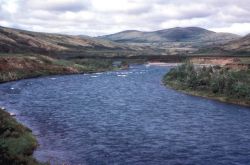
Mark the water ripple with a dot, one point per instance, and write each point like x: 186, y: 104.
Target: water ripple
x: 107, y: 119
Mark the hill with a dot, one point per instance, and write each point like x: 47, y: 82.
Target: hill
x: 174, y: 41
x: 240, y: 45
x: 21, y: 41
x: 192, y: 35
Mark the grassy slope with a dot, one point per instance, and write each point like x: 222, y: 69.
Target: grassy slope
x: 21, y: 41
x: 16, y: 142
x: 221, y: 85
x: 239, y: 47
x: 16, y: 67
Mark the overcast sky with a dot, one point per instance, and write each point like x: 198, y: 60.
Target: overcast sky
x: 98, y: 17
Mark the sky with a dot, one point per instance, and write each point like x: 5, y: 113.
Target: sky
x: 100, y: 17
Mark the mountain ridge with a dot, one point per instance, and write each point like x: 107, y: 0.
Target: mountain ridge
x: 173, y: 41
x: 177, y: 34
x: 18, y: 41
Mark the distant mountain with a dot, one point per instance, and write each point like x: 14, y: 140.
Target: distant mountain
x: 174, y: 41
x: 18, y: 41
x: 193, y: 35
x: 239, y: 45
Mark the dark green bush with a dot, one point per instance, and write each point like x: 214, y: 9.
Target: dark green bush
x: 217, y: 80
x: 16, y: 142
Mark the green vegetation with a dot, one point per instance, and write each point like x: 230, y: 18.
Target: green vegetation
x: 214, y: 82
x: 245, y: 60
x: 16, y: 142
x: 94, y: 65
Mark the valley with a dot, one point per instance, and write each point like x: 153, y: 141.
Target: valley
x: 124, y: 82
x: 26, y: 54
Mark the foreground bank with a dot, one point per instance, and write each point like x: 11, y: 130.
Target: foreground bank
x: 16, y: 142
x: 223, y: 84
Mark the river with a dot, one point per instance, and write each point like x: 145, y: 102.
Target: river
x: 127, y: 118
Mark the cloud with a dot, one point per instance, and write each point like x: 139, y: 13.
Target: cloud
x: 98, y: 17
x: 237, y: 28
x: 120, y: 6
x: 57, y: 5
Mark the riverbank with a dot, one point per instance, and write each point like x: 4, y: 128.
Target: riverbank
x: 163, y: 64
x: 213, y: 82
x: 16, y: 67
x: 17, y: 143
x: 208, y: 95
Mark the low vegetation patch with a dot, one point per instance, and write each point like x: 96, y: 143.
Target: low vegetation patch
x: 16, y: 142
x: 215, y: 82
x: 94, y: 65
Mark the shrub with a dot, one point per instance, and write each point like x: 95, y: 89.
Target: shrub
x: 217, y: 80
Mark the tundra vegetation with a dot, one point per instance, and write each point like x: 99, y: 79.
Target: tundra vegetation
x: 16, y: 67
x: 224, y: 84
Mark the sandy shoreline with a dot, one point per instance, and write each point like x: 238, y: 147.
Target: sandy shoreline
x: 175, y: 64
x: 162, y: 64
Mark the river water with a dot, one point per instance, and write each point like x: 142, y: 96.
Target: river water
x: 127, y: 118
